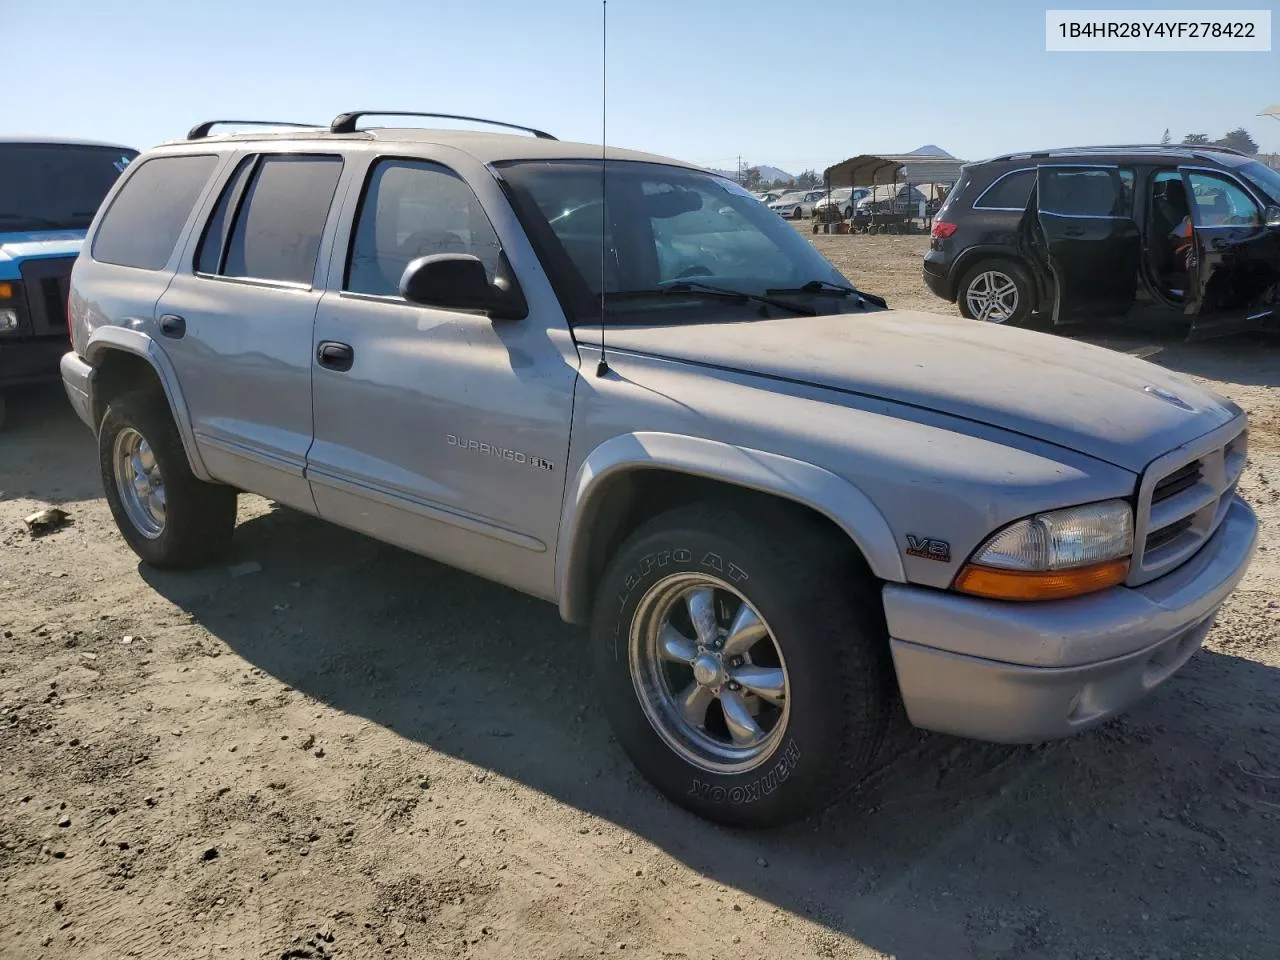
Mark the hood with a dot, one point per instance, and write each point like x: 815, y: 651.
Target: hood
x: 30, y: 244
x: 1089, y: 399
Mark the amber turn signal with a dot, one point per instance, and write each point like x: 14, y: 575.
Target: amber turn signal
x: 1041, y: 584
x: 6, y: 291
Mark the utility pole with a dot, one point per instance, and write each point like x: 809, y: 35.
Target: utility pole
x: 739, y: 169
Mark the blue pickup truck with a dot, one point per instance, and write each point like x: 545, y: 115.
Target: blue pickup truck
x: 50, y: 190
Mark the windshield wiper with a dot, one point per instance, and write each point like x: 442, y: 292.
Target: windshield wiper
x: 684, y: 288
x: 831, y: 289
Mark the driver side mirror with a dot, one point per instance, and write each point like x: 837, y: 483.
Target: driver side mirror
x: 458, y: 281
x: 1272, y: 216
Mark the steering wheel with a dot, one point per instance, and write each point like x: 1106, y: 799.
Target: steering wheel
x: 694, y: 270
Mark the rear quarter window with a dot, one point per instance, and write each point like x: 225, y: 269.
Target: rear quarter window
x: 1010, y: 192
x: 145, y: 219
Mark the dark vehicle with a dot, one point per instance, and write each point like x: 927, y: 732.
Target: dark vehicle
x: 49, y: 193
x: 1095, y: 232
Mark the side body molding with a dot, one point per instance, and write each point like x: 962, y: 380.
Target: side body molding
x: 107, y: 338
x: 838, y: 499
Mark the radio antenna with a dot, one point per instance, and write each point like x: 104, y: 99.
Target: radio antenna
x: 602, y: 367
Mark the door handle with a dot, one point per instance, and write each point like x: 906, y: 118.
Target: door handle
x: 335, y: 355
x: 173, y: 326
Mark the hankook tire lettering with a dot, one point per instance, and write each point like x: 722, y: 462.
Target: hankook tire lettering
x: 756, y: 789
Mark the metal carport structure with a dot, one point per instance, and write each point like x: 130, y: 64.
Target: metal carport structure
x: 878, y: 170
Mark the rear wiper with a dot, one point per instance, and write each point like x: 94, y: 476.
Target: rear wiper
x: 831, y: 289
x: 697, y: 288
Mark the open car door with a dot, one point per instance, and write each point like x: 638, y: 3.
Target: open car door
x: 1235, y: 261
x: 1088, y: 240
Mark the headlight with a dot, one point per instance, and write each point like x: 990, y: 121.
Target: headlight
x: 8, y: 319
x: 1064, y: 553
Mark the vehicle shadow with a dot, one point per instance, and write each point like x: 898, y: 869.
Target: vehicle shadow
x: 957, y: 849
x: 46, y: 453
x: 1249, y: 359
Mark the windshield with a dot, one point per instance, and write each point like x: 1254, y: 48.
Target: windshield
x: 1263, y: 177
x: 51, y: 186
x: 662, y: 225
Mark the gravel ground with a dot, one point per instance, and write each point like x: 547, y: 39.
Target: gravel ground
x: 329, y: 747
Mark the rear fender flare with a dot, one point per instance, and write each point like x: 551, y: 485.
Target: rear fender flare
x: 106, y: 339
x: 812, y: 486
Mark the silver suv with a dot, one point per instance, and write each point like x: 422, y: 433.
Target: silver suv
x: 632, y: 390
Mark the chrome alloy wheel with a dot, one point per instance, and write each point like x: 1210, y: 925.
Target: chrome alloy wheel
x: 992, y: 296
x: 139, y: 483
x: 709, y: 674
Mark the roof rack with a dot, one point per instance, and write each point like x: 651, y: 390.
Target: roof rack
x: 201, y: 130
x: 346, y: 122
x: 1172, y: 147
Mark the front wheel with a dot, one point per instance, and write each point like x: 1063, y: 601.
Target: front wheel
x: 747, y: 680
x: 996, y: 291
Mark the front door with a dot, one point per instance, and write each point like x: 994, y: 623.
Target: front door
x: 1088, y: 237
x: 443, y: 431
x: 1235, y: 262
x: 237, y: 321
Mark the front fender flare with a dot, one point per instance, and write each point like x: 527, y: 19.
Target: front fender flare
x: 815, y: 487
x: 106, y: 339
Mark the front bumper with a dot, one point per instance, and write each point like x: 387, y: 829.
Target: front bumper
x: 1025, y: 672
x: 30, y: 360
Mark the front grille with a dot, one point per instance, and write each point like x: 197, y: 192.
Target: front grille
x: 1183, y: 498
x: 1181, y: 479
x: 47, y: 282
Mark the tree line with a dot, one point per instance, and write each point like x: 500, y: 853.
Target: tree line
x: 1237, y: 139
x: 752, y: 180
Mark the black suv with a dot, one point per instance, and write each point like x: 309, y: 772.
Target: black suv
x: 1090, y: 232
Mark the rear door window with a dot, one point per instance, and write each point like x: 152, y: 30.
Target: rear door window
x: 1086, y: 191
x: 146, y: 217
x: 280, y: 223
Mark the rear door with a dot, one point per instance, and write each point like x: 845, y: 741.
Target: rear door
x: 1093, y: 249
x: 1235, y: 265
x: 237, y: 321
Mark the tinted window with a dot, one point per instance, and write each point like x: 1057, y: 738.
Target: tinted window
x: 1221, y: 203
x: 413, y: 209
x: 147, y: 215
x: 44, y: 186
x: 208, y: 258
x: 1084, y: 192
x: 1010, y: 192
x: 281, y: 220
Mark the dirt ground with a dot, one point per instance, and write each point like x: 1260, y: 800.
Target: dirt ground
x: 329, y: 747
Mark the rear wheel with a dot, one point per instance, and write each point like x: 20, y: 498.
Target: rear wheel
x: 996, y: 291
x: 166, y: 515
x: 747, y: 681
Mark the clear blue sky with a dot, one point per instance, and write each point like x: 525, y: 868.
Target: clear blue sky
x: 795, y: 84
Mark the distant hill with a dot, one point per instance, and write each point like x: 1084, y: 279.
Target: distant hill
x: 767, y: 173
